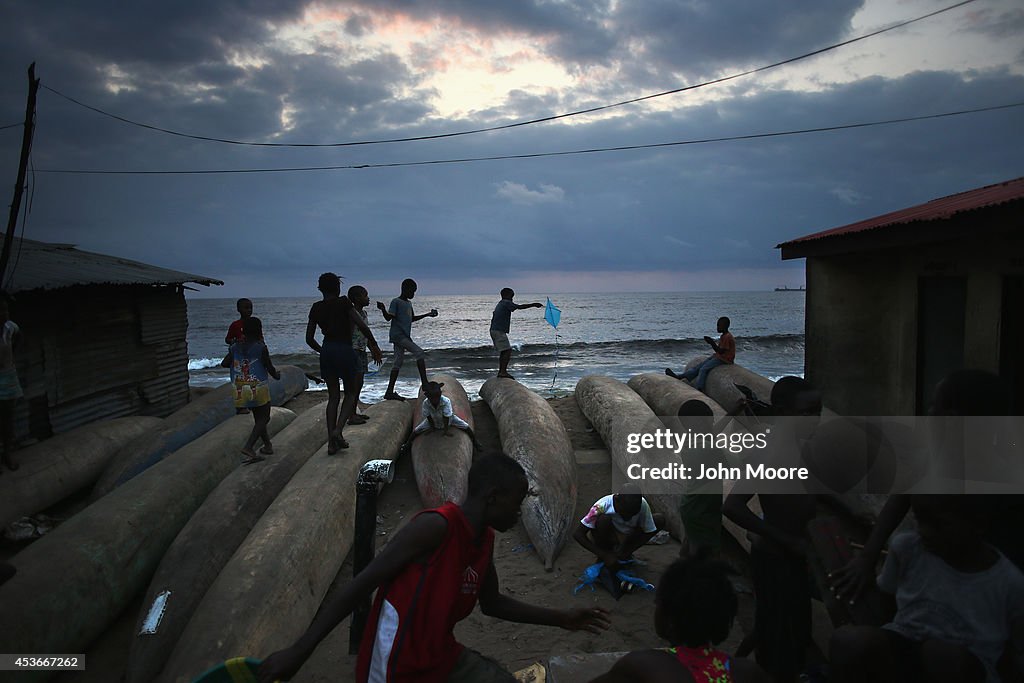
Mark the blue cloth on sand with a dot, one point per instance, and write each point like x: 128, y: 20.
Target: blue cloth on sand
x: 590, y: 574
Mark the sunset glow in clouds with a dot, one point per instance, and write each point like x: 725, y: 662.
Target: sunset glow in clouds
x: 676, y: 217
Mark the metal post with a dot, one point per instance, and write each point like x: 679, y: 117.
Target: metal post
x: 19, y: 184
x: 372, y: 474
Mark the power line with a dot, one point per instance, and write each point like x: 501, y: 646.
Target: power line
x: 517, y: 124
x: 536, y: 155
x: 12, y: 125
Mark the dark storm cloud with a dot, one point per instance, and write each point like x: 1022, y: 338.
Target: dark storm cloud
x: 999, y: 22
x: 168, y: 33
x: 329, y: 103
x: 699, y: 207
x: 655, y: 38
x: 701, y: 38
x: 540, y: 18
x: 706, y: 206
x: 176, y: 70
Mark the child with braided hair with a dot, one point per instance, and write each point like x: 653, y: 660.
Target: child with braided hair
x: 694, y: 609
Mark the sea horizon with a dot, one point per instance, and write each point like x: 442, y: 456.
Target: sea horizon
x: 616, y: 334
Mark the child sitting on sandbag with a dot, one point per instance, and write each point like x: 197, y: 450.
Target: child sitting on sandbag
x: 439, y: 415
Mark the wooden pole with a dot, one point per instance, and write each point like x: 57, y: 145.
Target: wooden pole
x: 19, y: 186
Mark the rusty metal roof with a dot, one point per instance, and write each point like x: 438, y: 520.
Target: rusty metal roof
x: 936, y: 209
x: 44, y: 266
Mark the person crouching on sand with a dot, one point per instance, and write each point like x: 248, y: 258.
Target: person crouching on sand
x: 694, y: 609
x: 251, y: 369
x: 432, y: 574
x: 617, y: 525
x: 501, y: 323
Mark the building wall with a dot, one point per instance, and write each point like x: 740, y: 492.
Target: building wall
x: 862, y: 318
x: 98, y: 352
x: 852, y: 319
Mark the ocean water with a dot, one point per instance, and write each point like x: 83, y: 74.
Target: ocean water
x: 619, y: 335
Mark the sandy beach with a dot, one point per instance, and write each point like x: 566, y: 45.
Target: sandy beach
x: 520, y: 571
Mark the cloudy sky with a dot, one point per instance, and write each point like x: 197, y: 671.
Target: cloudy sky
x: 685, y: 217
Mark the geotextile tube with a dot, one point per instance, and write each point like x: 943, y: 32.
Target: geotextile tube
x: 442, y: 463
x: 665, y: 394
x: 74, y: 581
x: 534, y: 435
x: 616, y: 411
x: 722, y: 381
x: 661, y: 392
x: 60, y: 466
x: 187, y: 423
x: 210, y: 538
x: 267, y: 594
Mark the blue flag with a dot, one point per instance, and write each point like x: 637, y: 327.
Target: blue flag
x: 552, y: 314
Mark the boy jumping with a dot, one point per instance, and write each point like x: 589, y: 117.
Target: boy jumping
x: 401, y: 317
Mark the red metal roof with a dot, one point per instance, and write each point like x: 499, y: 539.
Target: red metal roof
x: 936, y: 209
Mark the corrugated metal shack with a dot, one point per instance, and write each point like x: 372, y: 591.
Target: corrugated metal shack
x: 897, y: 301
x: 102, y: 336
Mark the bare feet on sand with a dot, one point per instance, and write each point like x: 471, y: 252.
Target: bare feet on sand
x: 392, y: 396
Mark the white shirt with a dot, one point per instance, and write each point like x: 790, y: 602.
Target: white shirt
x: 438, y: 413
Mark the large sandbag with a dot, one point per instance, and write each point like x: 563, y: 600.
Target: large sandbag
x: 442, y: 463
x: 211, y: 537
x: 661, y: 393
x: 185, y: 424
x: 58, y: 467
x: 269, y: 591
x: 722, y: 381
x: 74, y: 581
x: 534, y: 435
x: 616, y: 411
x: 665, y: 394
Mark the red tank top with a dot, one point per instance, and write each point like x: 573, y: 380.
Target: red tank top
x: 409, y: 634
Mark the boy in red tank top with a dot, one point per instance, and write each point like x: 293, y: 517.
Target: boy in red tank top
x: 430, y: 577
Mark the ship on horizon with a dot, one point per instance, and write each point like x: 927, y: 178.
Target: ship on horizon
x: 801, y: 288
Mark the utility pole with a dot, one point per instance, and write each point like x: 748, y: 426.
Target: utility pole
x: 26, y: 147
